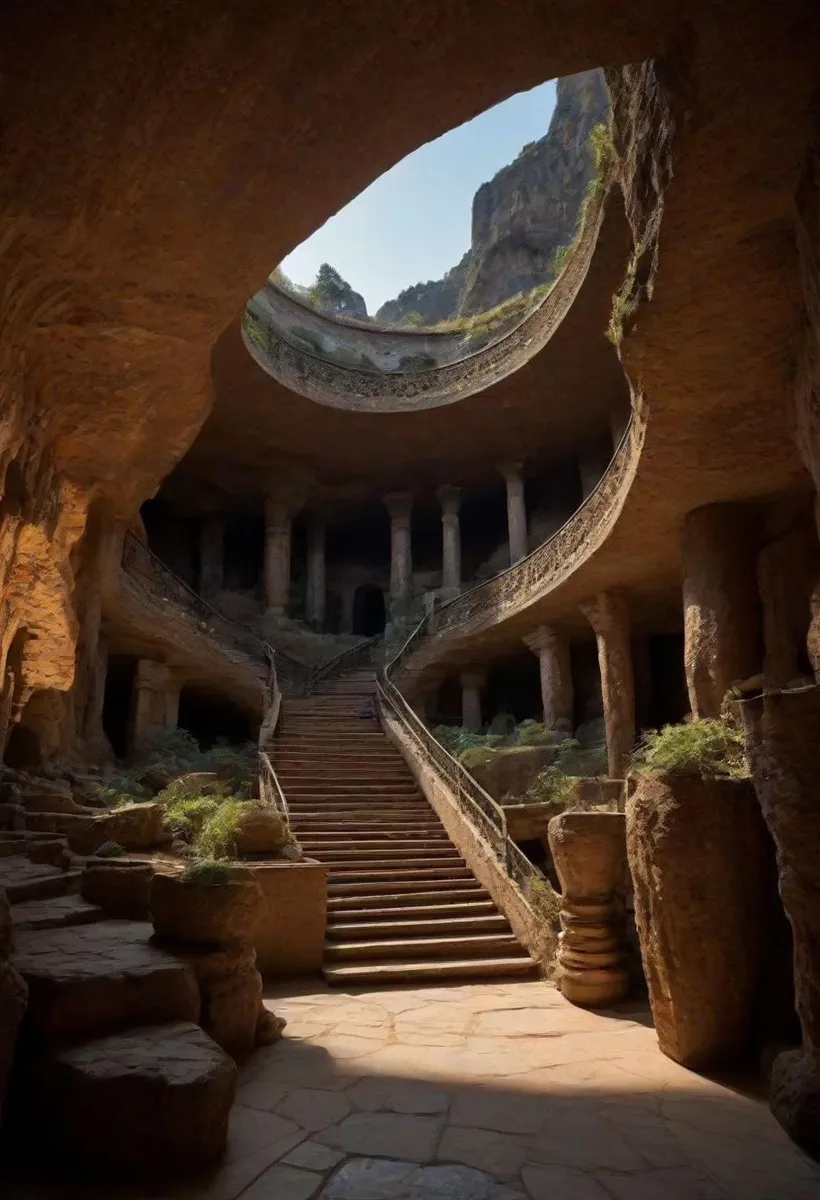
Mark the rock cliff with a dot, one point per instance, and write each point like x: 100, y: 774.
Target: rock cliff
x: 522, y: 216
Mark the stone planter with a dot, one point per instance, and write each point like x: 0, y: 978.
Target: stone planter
x: 290, y: 934
x: 205, y: 914
x: 783, y: 745
x: 697, y: 854
x: 589, y: 853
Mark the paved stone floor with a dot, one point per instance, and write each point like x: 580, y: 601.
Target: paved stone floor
x: 481, y: 1092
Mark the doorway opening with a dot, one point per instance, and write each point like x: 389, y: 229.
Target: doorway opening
x: 211, y: 718
x: 119, y: 690
x: 368, y: 610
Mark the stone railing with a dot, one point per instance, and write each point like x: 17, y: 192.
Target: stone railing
x: 357, y: 388
x: 525, y: 582
x: 353, y: 657
x: 270, y: 789
x: 163, y: 587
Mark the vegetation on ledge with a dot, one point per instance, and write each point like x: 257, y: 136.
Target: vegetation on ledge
x: 708, y: 747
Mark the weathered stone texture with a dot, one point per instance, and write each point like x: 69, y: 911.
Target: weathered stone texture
x: 204, y: 913
x: 290, y: 933
x: 782, y: 743
x: 722, y: 625
x: 696, y: 850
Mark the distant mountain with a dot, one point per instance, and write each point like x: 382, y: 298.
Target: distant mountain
x: 521, y: 217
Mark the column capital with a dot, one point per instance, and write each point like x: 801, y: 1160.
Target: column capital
x: 606, y: 611
x: 450, y: 500
x: 473, y: 677
x: 511, y: 471
x: 545, y: 637
x: 399, y: 505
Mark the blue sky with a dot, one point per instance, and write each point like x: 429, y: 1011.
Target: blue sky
x: 413, y: 222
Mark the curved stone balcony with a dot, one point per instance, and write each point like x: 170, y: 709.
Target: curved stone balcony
x: 320, y: 362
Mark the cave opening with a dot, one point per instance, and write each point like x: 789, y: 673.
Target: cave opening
x: 211, y: 718
x: 369, y: 616
x: 23, y: 749
x: 13, y: 498
x: 244, y: 551
x: 117, y: 698
x: 668, y: 696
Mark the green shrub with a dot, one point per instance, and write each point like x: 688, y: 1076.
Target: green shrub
x: 602, y: 148
x: 582, y: 762
x: 208, y: 873
x: 475, y: 756
x: 217, y: 836
x: 710, y: 746
x: 109, y: 850
x: 550, y: 786
x: 532, y: 733
x: 117, y: 791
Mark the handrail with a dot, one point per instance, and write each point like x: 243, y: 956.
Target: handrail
x: 270, y: 789
x: 345, y: 661
x: 555, y: 559
x: 140, y: 561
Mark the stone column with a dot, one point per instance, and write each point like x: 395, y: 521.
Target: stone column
x: 608, y: 614
x: 516, y: 511
x: 552, y: 649
x: 93, y: 733
x: 399, y: 505
x: 211, y: 554
x: 472, y: 683
x: 721, y: 610
x: 589, y: 853
x: 450, y: 501
x: 316, y: 573
x: 154, y: 703
x: 593, y: 460
x: 278, y: 520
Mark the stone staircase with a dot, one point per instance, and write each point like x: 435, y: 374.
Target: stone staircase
x: 402, y: 904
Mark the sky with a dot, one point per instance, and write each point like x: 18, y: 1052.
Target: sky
x: 413, y: 223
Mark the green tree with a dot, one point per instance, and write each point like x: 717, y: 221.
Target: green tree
x: 413, y: 320
x: 329, y: 289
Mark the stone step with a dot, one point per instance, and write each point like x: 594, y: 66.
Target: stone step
x: 376, y: 909
x: 408, y: 891
x: 56, y: 912
x: 367, y: 858
x: 342, y: 839
x: 472, y: 945
x: 359, y: 930
x: 365, y: 895
x: 87, y: 980
x: 390, y: 873
x: 24, y: 880
x: 334, y: 777
x: 173, y: 1082
x: 324, y: 825
x: 350, y: 975
x: 340, y: 790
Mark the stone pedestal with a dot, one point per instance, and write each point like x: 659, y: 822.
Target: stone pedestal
x: 290, y: 934
x: 608, y: 614
x: 552, y: 648
x: 783, y: 744
x: 450, y: 500
x: 472, y: 683
x: 316, y: 577
x: 720, y: 603
x: 589, y: 853
x: 399, y: 506
x: 211, y: 555
x: 697, y: 855
x: 154, y: 704
x: 516, y: 511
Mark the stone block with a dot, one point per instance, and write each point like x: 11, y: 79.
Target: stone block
x: 697, y: 855
x: 121, y: 891
x: 290, y: 934
x: 205, y: 913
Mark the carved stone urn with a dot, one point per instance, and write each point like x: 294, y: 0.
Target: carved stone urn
x: 783, y: 746
x: 589, y: 853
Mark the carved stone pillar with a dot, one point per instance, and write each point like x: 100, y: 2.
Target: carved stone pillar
x: 516, y: 511
x: 450, y: 501
x: 608, y: 614
x: 316, y: 573
x: 552, y: 649
x: 154, y: 703
x: 472, y: 683
x: 278, y: 520
x: 211, y: 554
x: 399, y: 505
x: 721, y: 611
x: 589, y: 853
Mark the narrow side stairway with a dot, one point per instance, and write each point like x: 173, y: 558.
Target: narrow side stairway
x: 403, y: 905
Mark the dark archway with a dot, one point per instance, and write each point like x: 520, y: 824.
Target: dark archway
x: 210, y: 718
x: 119, y: 690
x: 14, y: 494
x: 368, y: 610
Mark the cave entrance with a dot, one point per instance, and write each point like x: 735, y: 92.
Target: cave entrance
x: 117, y: 698
x: 23, y: 749
x: 668, y: 697
x: 210, y: 718
x: 368, y: 610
